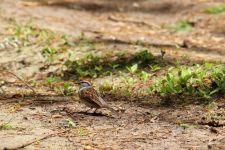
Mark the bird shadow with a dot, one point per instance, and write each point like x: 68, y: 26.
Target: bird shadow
x: 90, y: 114
x: 72, y: 114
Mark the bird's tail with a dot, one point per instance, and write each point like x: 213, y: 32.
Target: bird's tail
x: 112, y: 110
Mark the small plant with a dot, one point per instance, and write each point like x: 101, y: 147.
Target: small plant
x: 49, y: 52
x: 107, y: 87
x: 89, y: 57
x: 23, y: 31
x: 71, y: 124
x: 28, y: 35
x: 51, y: 80
x: 200, y: 80
x: 66, y: 40
x: 180, y: 26
x: 114, y: 66
x: 67, y: 89
x: 6, y: 126
x: 186, y: 126
x: 143, y: 57
x: 120, y: 54
x: 215, y: 9
x: 155, y: 67
x: 129, y: 81
x: 93, y: 65
x: 87, y: 66
x: 132, y: 69
x: 34, y: 82
x: 144, y: 76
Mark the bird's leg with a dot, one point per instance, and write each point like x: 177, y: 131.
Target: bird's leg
x: 88, y: 110
x: 95, y: 110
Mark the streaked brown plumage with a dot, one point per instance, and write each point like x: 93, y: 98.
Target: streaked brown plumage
x: 91, y: 98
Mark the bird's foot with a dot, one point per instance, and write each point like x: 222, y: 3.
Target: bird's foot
x: 87, y: 111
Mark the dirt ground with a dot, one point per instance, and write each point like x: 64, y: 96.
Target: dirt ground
x: 116, y: 24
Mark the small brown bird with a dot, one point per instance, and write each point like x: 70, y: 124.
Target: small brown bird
x: 91, y: 98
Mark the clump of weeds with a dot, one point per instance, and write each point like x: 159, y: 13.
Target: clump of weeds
x: 200, y: 80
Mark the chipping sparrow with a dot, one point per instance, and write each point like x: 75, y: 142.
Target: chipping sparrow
x: 91, y: 98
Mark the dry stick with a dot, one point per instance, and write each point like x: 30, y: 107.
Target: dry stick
x: 22, y: 81
x: 138, y: 42
x: 33, y: 141
x: 133, y: 21
x: 51, y: 98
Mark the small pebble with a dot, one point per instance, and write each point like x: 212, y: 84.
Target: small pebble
x: 87, y: 148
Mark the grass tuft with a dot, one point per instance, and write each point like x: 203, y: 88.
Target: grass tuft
x: 180, y: 26
x: 93, y: 65
x: 6, y: 126
x: 215, y: 9
x: 201, y: 80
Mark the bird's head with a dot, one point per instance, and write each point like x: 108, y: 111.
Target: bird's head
x: 83, y: 83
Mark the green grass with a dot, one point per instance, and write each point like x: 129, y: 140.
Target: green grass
x: 180, y: 26
x: 56, y: 84
x: 29, y: 36
x: 144, y: 76
x: 132, y: 69
x: 107, y: 86
x: 50, y: 81
x: 66, y: 89
x: 155, y: 67
x: 49, y: 52
x: 124, y: 88
x: 139, y: 68
x: 95, y: 65
x: 76, y: 129
x: 200, y: 80
x: 186, y: 126
x: 70, y: 124
x: 6, y: 126
x: 215, y: 9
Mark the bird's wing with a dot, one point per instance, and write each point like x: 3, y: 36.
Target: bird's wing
x: 91, y: 95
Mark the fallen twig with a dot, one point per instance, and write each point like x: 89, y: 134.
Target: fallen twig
x: 37, y: 99
x: 112, y: 18
x: 140, y: 42
x: 21, y: 81
x: 35, y: 140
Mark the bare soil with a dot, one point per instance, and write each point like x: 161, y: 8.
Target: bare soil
x: 116, y: 24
